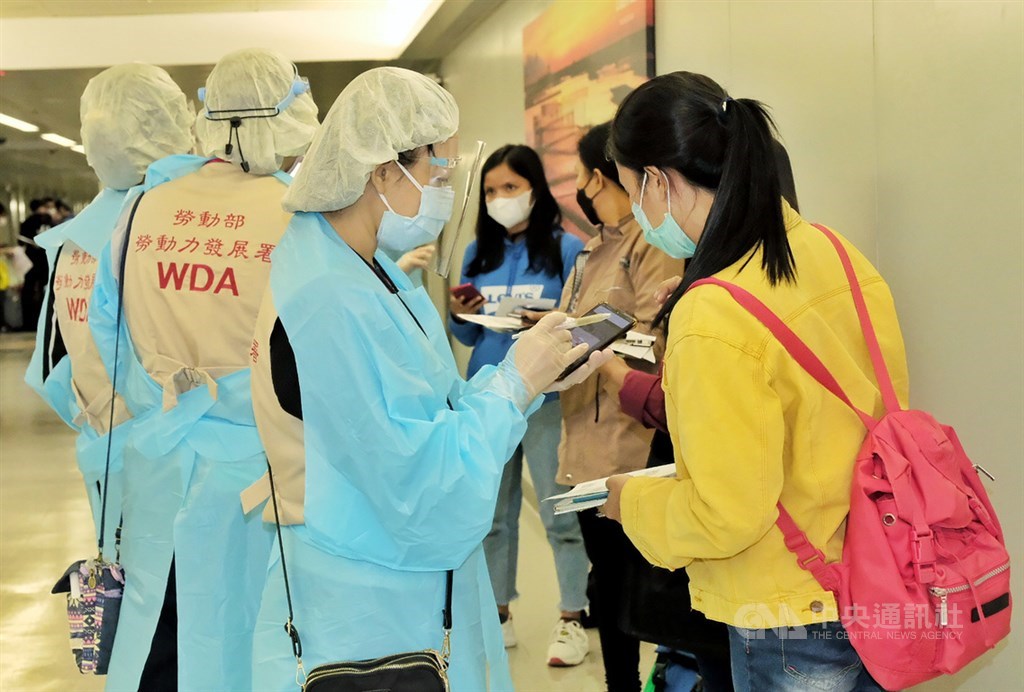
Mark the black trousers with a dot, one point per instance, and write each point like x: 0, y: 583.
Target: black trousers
x: 161, y: 671
x: 609, y: 551
x: 32, y: 294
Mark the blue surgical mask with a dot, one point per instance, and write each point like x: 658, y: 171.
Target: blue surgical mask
x: 668, y: 236
x: 399, y: 234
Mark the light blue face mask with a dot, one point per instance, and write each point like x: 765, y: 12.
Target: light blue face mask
x: 399, y: 234
x: 668, y: 236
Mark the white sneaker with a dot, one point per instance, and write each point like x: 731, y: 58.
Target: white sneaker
x: 508, y: 633
x: 569, y: 644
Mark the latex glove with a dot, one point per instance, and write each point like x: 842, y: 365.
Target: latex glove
x: 594, y: 363
x: 416, y: 259
x: 534, y: 316
x: 543, y: 352
x: 540, y: 355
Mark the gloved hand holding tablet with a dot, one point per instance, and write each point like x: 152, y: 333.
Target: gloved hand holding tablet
x: 599, y: 328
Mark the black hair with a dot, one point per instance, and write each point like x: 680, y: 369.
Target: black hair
x: 786, y: 183
x: 543, y: 244
x: 408, y: 158
x: 687, y: 122
x: 36, y: 204
x: 62, y: 206
x: 593, y: 152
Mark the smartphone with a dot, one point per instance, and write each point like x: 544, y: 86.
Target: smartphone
x: 599, y: 335
x: 467, y: 293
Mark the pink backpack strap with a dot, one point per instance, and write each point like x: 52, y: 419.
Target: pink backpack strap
x: 889, y: 398
x: 807, y: 556
x: 801, y: 353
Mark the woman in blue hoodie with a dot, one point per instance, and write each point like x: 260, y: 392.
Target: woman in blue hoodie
x: 521, y: 251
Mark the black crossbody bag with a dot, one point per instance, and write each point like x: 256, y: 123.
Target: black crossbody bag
x: 411, y: 671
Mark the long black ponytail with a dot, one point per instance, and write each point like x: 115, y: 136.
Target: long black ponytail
x: 687, y: 122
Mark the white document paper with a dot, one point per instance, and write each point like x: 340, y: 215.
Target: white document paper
x: 510, y: 306
x: 495, y: 323
x: 594, y: 493
x: 634, y: 338
x: 624, y: 348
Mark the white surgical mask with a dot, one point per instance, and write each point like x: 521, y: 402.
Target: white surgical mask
x: 400, y: 234
x: 511, y: 211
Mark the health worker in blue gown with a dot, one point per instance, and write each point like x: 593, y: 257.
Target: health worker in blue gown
x: 386, y: 463
x: 132, y: 115
x: 192, y: 256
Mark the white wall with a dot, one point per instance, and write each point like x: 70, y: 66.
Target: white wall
x: 485, y: 74
x: 949, y: 89
x: 810, y: 62
x: 905, y: 125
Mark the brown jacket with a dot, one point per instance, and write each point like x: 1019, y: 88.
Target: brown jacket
x: 616, y: 267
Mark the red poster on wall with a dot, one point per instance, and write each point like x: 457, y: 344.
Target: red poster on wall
x: 580, y: 61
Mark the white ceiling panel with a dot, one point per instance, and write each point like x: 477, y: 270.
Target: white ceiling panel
x: 350, y: 30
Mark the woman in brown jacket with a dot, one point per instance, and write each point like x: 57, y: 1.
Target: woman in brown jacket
x: 618, y: 267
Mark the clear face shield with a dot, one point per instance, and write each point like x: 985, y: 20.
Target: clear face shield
x: 447, y: 168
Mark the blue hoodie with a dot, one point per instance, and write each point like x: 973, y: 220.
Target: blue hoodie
x: 513, y: 278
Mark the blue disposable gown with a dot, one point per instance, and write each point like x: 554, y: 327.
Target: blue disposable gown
x: 90, y: 230
x: 398, y: 486
x: 183, y: 471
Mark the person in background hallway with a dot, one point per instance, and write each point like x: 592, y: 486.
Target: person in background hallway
x: 701, y: 165
x: 132, y: 115
x: 62, y: 212
x: 521, y: 251
x: 386, y: 469
x: 197, y: 239
x: 34, y: 288
x: 7, y: 280
x: 617, y: 267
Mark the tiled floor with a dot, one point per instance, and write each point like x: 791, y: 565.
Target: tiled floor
x: 44, y: 526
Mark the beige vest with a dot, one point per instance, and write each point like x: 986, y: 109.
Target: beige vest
x: 73, y: 280
x: 281, y: 433
x: 197, y: 266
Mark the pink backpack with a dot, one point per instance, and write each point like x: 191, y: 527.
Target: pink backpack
x: 924, y: 584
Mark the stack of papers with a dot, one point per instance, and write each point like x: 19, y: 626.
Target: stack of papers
x: 594, y: 493
x: 513, y: 306
x: 624, y: 348
x: 495, y: 323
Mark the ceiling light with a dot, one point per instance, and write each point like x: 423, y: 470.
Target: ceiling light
x: 17, y: 124
x: 328, y: 31
x: 57, y: 139
x: 78, y: 149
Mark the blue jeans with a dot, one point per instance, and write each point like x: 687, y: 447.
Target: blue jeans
x: 540, y: 447
x: 793, y: 659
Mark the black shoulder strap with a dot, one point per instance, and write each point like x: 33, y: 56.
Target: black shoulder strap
x: 53, y: 343
x: 113, y: 378
x: 289, y: 627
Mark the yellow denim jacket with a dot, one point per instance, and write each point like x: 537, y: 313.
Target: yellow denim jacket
x: 751, y: 427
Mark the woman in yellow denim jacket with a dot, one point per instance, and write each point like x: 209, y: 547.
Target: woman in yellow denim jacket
x: 750, y: 427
